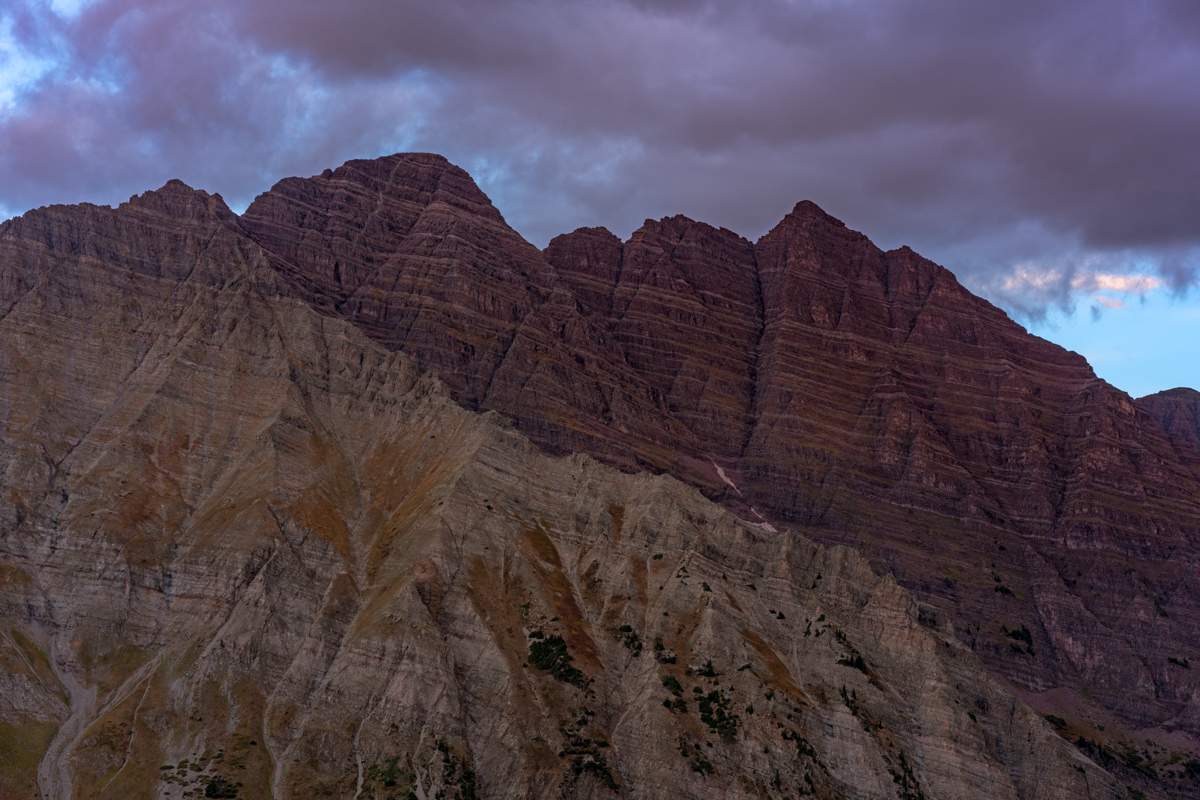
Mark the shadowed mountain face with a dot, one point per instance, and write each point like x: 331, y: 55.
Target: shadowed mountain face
x: 238, y: 527
x: 1178, y: 412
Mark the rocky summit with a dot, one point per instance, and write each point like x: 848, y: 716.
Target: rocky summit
x: 361, y: 495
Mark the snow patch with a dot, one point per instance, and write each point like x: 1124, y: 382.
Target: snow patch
x: 721, y: 474
x: 762, y: 523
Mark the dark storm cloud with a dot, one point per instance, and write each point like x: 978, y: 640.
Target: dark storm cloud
x: 138, y: 95
x: 1027, y: 145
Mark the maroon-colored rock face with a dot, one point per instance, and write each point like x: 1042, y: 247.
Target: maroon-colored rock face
x: 681, y: 305
x: 1178, y: 412
x: 809, y: 380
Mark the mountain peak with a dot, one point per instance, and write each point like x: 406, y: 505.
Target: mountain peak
x: 176, y: 198
x: 361, y: 216
x: 807, y: 209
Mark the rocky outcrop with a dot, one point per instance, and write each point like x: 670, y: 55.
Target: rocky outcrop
x: 247, y: 549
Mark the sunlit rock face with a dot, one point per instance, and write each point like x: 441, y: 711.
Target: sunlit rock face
x: 258, y: 526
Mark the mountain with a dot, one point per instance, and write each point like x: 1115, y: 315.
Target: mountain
x: 807, y: 380
x: 360, y: 493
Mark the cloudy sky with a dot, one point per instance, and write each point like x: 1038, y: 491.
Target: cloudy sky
x: 1047, y: 151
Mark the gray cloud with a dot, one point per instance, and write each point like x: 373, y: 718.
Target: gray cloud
x: 999, y: 139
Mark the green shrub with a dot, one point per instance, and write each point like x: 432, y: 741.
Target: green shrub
x: 550, y: 655
x: 220, y: 787
x: 1022, y: 634
x: 855, y: 661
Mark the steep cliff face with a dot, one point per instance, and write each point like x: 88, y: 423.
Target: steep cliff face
x: 244, y: 546
x: 809, y: 379
x: 1178, y: 412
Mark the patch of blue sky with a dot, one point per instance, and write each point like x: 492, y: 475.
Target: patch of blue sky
x: 69, y: 9
x: 20, y: 68
x: 1142, y: 345
x: 305, y: 98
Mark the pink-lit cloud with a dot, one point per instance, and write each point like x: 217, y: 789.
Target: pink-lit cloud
x: 1135, y: 284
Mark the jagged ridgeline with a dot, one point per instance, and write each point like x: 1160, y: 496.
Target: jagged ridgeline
x: 361, y: 495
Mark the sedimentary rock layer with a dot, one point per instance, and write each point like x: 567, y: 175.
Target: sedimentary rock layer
x: 1178, y: 412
